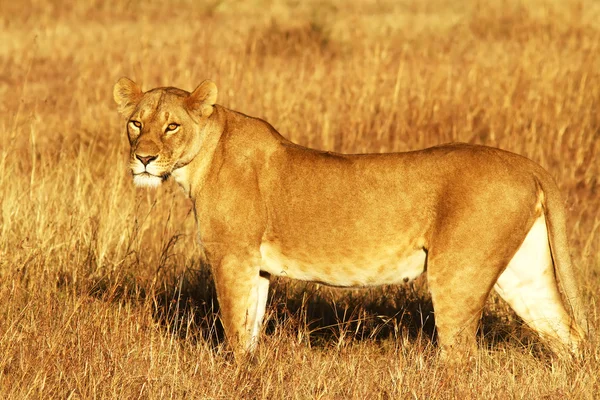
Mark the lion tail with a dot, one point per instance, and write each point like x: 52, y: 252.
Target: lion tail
x: 554, y: 212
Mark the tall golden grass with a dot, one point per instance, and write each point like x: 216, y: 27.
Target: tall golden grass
x: 102, y: 291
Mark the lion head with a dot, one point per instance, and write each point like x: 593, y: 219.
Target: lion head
x: 164, y: 127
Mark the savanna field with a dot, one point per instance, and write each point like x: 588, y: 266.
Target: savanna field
x: 103, y: 292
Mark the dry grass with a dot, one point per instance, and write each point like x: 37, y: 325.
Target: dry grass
x: 101, y: 289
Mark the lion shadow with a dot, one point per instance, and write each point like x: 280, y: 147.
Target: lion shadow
x: 187, y: 306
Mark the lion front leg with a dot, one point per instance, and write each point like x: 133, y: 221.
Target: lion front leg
x: 242, y: 295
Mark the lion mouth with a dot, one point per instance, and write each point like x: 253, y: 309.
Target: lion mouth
x: 164, y: 176
x: 146, y: 179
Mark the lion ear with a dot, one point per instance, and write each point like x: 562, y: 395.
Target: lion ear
x: 203, y: 98
x: 127, y: 95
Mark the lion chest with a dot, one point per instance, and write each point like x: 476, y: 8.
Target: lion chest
x: 378, y: 266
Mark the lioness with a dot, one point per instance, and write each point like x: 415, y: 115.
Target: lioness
x: 473, y: 217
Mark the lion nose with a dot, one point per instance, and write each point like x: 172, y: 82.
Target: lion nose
x: 146, y: 159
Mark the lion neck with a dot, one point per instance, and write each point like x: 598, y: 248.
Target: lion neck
x: 192, y: 176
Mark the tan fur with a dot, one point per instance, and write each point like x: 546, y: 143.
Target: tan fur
x: 266, y: 206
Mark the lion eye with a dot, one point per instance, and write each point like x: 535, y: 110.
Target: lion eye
x: 172, y: 127
x: 136, y: 124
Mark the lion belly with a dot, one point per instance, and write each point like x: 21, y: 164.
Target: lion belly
x: 367, y: 269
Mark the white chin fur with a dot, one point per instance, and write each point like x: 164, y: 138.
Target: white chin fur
x: 147, y: 180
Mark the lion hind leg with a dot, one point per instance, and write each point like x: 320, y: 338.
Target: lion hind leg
x: 458, y: 296
x: 461, y: 277
x: 529, y: 286
x: 457, y: 314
